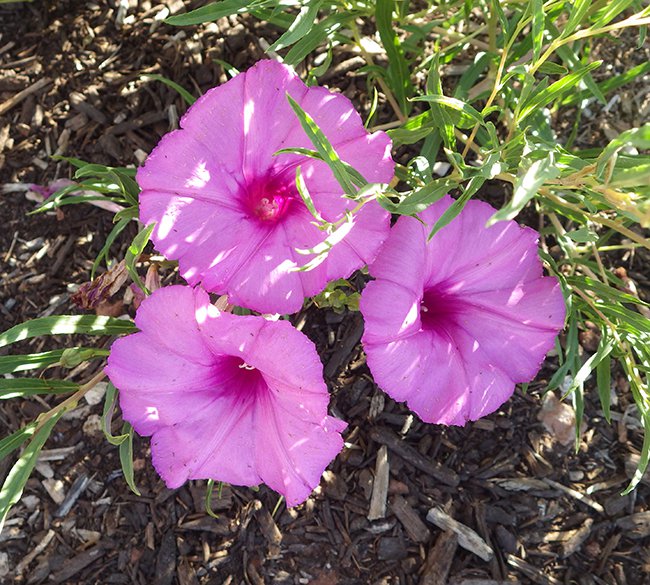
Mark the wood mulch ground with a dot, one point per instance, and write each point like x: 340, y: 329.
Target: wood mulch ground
x: 504, y: 500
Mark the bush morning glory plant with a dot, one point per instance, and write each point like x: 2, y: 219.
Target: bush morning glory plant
x: 273, y: 192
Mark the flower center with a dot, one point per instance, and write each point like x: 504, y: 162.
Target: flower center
x: 269, y: 199
x: 439, y: 309
x: 241, y: 379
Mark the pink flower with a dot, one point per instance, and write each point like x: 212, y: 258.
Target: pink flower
x: 453, y: 324
x: 229, y: 211
x: 236, y: 399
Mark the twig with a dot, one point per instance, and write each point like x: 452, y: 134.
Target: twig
x: 575, y: 494
x: 71, y: 400
x: 21, y: 95
x: 467, y: 538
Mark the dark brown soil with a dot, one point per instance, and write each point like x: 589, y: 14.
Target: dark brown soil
x: 550, y: 514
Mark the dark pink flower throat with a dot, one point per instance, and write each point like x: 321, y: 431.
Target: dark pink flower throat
x: 439, y: 309
x: 269, y: 199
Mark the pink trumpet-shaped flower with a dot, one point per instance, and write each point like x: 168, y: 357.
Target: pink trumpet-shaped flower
x: 452, y: 324
x: 228, y: 209
x: 231, y: 398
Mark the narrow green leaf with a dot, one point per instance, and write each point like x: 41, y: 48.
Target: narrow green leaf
x: 321, y: 69
x: 10, y: 364
x: 323, y: 146
x: 579, y: 9
x: 19, y: 387
x: 454, y: 104
x: 133, y: 253
x: 550, y: 68
x: 471, y: 76
x: 110, y: 400
x: 186, y: 95
x: 555, y: 90
x: 474, y: 184
x: 210, y: 12
x: 118, y: 228
x: 604, y: 349
x: 320, y: 33
x: 12, y: 489
x: 644, y: 458
x: 208, y: 497
x: 637, y: 137
x: 300, y: 27
x: 128, y: 186
x: 610, y: 84
x: 537, y: 9
x: 303, y: 191
x: 526, y: 187
x: 419, y: 199
x: 571, y: 59
x: 583, y: 235
x: 16, y: 439
x: 398, y: 68
x: 440, y: 116
x: 32, y: 361
x: 630, y: 177
x: 578, y: 398
x: 611, y: 10
x: 126, y: 458
x: 604, y: 381
x: 67, y: 325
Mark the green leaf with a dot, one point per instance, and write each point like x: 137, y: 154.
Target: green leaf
x: 319, y: 34
x: 579, y: 9
x: 73, y: 356
x: 474, y: 184
x: 398, y: 68
x: 300, y: 27
x: 537, y: 10
x: 10, y: 364
x: 605, y: 347
x: 470, y: 77
x: 419, y: 199
x: 210, y: 12
x: 67, y: 325
x: 610, y: 84
x: 603, y: 381
x: 110, y: 401
x: 324, y: 147
x: 440, y: 116
x: 472, y: 116
x: 526, y: 187
x: 208, y: 497
x: 550, y: 68
x: 126, y: 458
x: 32, y: 361
x: 19, y: 387
x: 321, y: 69
x: 186, y: 95
x: 133, y: 253
x: 644, y: 458
x: 611, y: 10
x: 583, y: 235
x: 118, y: 228
x: 16, y: 439
x: 128, y: 186
x: 542, y: 98
x: 637, y: 137
x: 572, y: 61
x: 630, y: 177
x: 12, y: 489
x: 303, y: 191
